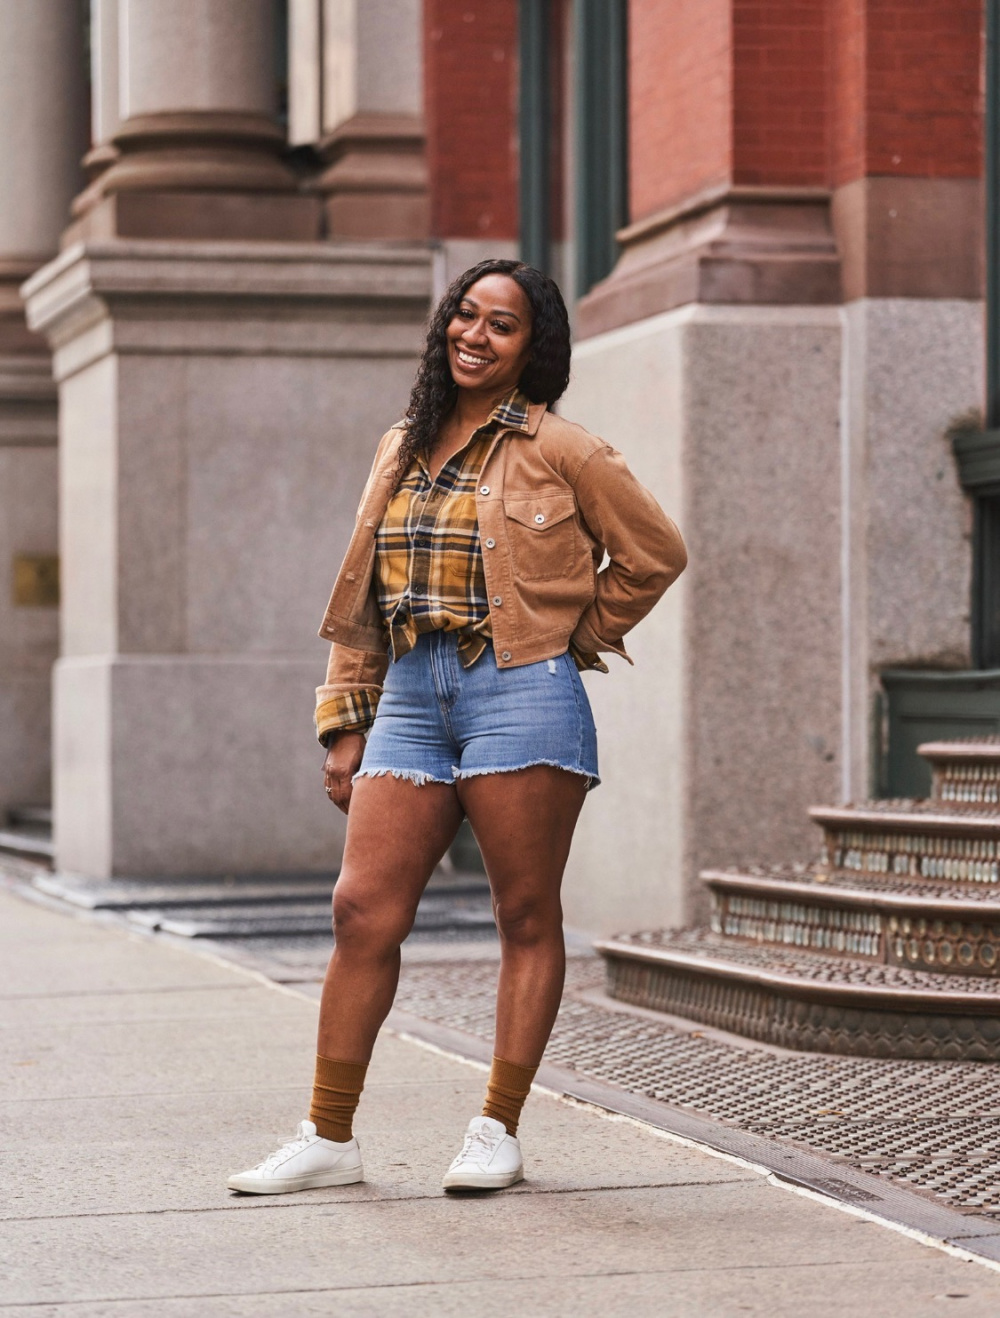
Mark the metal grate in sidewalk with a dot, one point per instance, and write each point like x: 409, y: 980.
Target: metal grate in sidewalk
x: 934, y: 1126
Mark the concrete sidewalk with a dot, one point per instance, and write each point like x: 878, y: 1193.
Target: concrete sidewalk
x: 136, y: 1075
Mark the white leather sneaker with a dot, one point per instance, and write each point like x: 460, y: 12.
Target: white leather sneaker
x: 306, y: 1162
x: 490, y: 1158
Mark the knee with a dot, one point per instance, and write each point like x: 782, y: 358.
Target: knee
x: 527, y: 922
x: 366, y: 925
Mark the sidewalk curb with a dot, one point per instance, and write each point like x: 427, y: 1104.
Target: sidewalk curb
x: 839, y: 1186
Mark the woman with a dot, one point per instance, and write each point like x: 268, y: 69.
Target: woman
x: 474, y: 568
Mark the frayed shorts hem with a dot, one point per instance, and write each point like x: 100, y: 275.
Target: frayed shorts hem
x: 415, y: 776
x: 420, y: 779
x: 592, y: 779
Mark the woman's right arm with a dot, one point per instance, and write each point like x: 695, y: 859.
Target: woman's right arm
x: 345, y: 710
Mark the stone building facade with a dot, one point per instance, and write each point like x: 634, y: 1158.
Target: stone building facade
x: 768, y: 220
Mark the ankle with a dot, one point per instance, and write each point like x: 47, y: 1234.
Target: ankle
x: 506, y: 1090
x: 336, y: 1093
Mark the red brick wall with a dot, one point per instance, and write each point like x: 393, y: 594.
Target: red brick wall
x: 470, y: 101
x: 779, y: 91
x: 680, y: 96
x: 924, y: 88
x: 814, y: 92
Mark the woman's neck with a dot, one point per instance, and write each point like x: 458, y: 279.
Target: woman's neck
x: 473, y: 409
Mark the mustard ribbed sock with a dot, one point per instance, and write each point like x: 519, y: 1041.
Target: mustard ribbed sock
x: 506, y: 1090
x: 336, y: 1092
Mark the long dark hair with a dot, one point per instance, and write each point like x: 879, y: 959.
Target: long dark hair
x: 543, y: 380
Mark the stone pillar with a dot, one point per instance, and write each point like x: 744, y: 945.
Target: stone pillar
x: 42, y: 123
x: 189, y: 109
x: 220, y: 404
x: 357, y: 95
x: 783, y: 162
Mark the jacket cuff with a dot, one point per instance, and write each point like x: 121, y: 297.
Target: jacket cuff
x: 587, y: 642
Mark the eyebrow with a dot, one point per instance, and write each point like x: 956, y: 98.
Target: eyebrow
x: 496, y: 311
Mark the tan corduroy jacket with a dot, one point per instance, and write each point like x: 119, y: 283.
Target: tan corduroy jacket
x: 552, y: 500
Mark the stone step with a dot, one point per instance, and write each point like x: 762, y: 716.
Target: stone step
x: 287, y: 919
x: 169, y: 894
x: 31, y: 842
x: 798, y: 998
x: 912, y: 839
x: 964, y: 771
x: 948, y: 928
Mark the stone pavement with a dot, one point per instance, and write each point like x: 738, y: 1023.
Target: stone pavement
x: 136, y: 1074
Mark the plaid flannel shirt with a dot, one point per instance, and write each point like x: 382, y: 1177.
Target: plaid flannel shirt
x: 429, y: 573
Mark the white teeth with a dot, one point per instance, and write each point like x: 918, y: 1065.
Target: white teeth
x: 472, y: 361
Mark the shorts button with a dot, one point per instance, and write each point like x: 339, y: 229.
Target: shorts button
x: 539, y: 518
x: 498, y: 599
x: 491, y: 544
x: 505, y: 656
x: 484, y: 489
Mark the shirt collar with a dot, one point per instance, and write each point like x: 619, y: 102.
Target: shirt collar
x: 512, y: 412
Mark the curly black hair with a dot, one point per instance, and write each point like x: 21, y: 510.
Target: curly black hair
x: 543, y: 380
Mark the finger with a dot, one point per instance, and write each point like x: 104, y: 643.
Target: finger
x: 342, y: 797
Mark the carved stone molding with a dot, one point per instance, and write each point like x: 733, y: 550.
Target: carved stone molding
x: 731, y: 244
x: 376, y: 183
x: 204, y: 174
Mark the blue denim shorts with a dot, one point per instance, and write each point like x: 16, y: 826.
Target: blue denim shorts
x: 438, y: 722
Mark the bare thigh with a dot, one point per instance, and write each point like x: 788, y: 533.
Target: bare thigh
x: 396, y: 835
x: 524, y: 825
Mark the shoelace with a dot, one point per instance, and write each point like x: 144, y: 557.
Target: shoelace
x: 293, y: 1145
x: 479, y: 1144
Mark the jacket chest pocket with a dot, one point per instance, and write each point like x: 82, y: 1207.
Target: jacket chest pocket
x: 541, y: 529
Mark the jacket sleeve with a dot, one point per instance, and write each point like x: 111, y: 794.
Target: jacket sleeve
x: 645, y: 550
x: 349, y: 697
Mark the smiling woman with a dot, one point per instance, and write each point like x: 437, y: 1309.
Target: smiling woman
x: 469, y: 600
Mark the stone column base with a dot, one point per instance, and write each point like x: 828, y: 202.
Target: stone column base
x: 187, y: 764
x: 376, y: 184
x: 220, y: 406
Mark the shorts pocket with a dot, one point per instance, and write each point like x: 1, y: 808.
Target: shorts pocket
x: 543, y: 535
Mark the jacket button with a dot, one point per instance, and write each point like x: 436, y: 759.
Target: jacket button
x: 505, y: 656
x: 484, y: 489
x: 498, y: 599
x: 539, y: 518
x: 491, y: 543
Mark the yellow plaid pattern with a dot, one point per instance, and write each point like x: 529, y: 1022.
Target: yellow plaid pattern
x: 428, y: 562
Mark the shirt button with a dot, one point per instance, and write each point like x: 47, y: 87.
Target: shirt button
x: 505, y: 656
x: 498, y: 599
x: 484, y: 489
x: 491, y: 543
x: 539, y: 518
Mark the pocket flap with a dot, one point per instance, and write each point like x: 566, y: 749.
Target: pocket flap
x: 540, y: 511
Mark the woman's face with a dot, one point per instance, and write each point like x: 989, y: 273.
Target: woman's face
x: 489, y: 337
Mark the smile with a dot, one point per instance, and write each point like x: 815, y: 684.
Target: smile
x: 467, y: 359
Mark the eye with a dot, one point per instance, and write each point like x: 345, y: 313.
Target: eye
x: 501, y: 326
x: 464, y: 313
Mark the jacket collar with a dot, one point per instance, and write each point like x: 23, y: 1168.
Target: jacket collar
x: 513, y: 412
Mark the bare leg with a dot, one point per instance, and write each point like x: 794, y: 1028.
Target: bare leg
x: 524, y: 824
x: 396, y: 834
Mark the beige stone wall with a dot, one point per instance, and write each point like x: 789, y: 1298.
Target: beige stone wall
x: 912, y: 367
x: 220, y: 407
x: 728, y: 728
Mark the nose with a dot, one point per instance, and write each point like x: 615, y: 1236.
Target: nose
x: 475, y: 331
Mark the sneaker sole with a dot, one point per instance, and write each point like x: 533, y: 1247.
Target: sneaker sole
x: 289, y: 1184
x: 482, y: 1180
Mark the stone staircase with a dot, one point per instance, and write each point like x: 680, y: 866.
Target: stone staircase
x: 888, y: 945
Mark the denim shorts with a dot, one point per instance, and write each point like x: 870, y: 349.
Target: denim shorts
x: 438, y: 722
